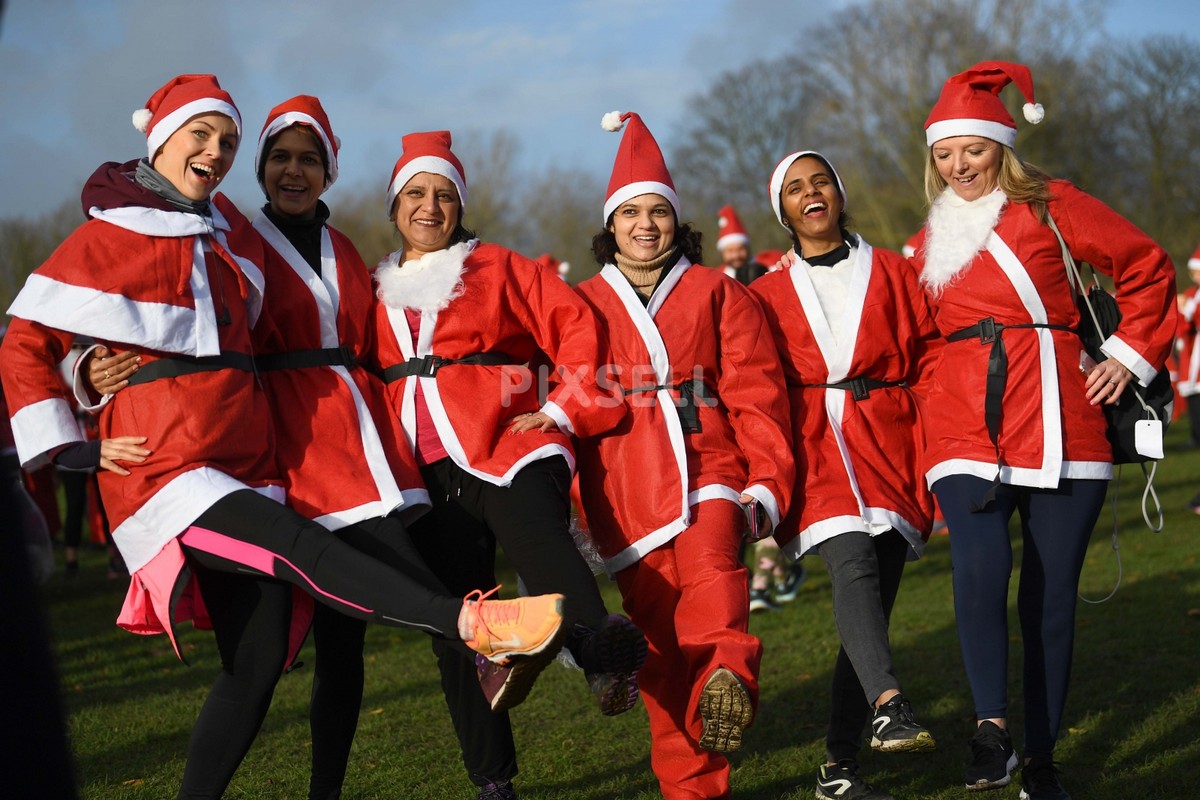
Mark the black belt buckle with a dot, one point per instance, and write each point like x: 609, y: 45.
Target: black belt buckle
x: 858, y: 388
x: 426, y: 366
x: 987, y: 330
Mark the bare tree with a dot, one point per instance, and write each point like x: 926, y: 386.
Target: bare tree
x: 26, y: 243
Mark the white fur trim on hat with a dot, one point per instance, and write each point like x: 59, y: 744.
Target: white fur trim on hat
x: 612, y: 121
x: 172, y: 122
x: 141, y: 119
x: 732, y: 238
x: 433, y: 164
x: 632, y: 190
x: 287, y: 120
x: 989, y: 129
x: 781, y: 169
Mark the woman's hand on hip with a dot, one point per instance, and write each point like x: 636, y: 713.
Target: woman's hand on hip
x: 1107, y: 381
x: 109, y: 372
x: 122, y: 448
x: 533, y: 420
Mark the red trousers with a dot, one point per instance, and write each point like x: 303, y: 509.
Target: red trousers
x: 690, y: 599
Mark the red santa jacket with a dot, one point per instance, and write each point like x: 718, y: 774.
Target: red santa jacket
x: 162, y: 282
x: 511, y: 306
x: 336, y: 441
x: 857, y: 461
x: 1048, y: 428
x: 639, y: 481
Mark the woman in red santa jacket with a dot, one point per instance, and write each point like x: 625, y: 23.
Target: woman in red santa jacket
x: 1188, y: 344
x: 994, y: 270
x: 853, y: 331
x: 161, y: 269
x: 457, y: 324
x: 664, y: 491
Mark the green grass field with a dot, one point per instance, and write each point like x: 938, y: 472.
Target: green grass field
x: 1134, y: 700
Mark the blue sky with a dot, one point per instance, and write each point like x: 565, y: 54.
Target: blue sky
x: 74, y: 70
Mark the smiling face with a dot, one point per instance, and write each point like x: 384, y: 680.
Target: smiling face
x: 970, y: 165
x: 197, y: 156
x: 812, y: 205
x: 426, y: 211
x: 294, y: 173
x: 644, y: 227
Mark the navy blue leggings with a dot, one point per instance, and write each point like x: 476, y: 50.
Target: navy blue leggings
x: 1056, y: 525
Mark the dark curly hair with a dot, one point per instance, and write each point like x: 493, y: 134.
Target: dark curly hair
x: 687, y: 239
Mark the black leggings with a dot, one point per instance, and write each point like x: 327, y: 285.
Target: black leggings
x: 251, y: 614
x: 1055, y: 527
x: 530, y: 519
x: 865, y: 572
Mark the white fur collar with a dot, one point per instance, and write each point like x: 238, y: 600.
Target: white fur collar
x: 957, y: 230
x: 428, y: 284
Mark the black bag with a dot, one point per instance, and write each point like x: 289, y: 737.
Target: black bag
x: 1099, y: 317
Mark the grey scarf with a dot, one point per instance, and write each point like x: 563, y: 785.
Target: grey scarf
x: 145, y: 175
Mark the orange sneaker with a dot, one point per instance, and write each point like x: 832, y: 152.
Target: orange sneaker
x: 503, y: 629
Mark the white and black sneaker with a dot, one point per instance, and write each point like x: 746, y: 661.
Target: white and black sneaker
x: 894, y: 729
x: 841, y: 782
x: 992, y: 758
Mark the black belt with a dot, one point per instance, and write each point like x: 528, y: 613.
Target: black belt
x: 988, y: 331
x: 341, y: 356
x: 176, y: 366
x: 859, y: 388
x: 686, y: 406
x: 428, y: 366
x: 10, y: 464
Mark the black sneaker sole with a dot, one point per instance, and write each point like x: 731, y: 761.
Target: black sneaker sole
x: 620, y: 647
x: 525, y: 671
x: 923, y: 742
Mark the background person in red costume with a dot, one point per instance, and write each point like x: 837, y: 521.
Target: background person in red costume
x: 457, y: 324
x: 853, y: 331
x: 1013, y: 422
x: 665, y: 492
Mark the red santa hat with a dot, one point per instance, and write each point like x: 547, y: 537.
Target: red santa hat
x: 730, y: 229
x: 639, y: 168
x: 177, y: 101
x: 306, y: 110
x: 769, y: 258
x: 427, y: 152
x: 1194, y: 261
x: 561, y: 268
x: 970, y: 104
x: 776, y: 185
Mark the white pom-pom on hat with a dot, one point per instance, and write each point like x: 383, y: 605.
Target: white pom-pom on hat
x: 337, y: 141
x: 141, y: 119
x: 612, y: 121
x: 1034, y: 112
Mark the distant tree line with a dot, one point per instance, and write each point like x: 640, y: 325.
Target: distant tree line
x: 1122, y: 122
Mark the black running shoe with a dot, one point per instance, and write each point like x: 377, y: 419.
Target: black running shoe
x: 992, y: 758
x: 1039, y: 780
x: 500, y: 790
x: 894, y: 729
x: 841, y: 782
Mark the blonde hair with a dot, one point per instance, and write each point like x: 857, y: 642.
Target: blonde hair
x: 1020, y: 181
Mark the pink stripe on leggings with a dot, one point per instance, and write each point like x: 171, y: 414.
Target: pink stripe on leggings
x: 253, y: 556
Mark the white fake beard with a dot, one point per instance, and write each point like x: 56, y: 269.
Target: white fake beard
x: 958, y: 230
x: 429, y: 283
